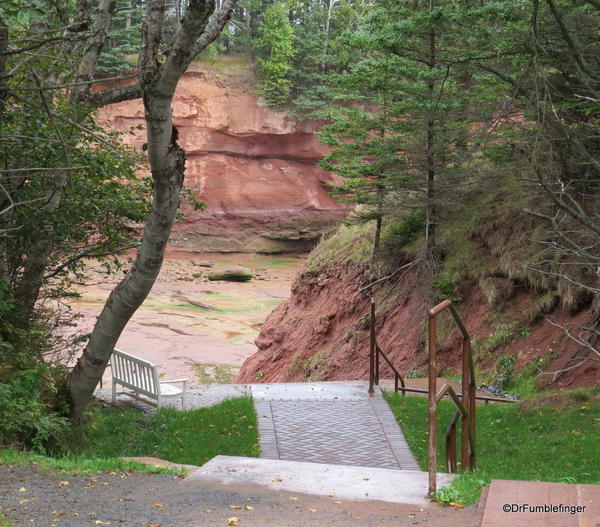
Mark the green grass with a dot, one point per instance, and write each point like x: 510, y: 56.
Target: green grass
x: 191, y: 437
x: 77, y: 464
x: 550, y: 437
x: 3, y: 521
x: 347, y: 245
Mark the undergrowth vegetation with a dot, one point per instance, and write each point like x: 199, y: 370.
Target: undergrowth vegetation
x: 349, y: 244
x: 190, y: 437
x: 548, y: 437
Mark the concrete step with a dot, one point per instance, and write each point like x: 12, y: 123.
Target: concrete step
x: 345, y: 482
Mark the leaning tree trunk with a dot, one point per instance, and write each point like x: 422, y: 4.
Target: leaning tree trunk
x: 158, y: 80
x: 133, y: 290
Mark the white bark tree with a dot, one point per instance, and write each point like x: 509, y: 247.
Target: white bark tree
x: 158, y: 79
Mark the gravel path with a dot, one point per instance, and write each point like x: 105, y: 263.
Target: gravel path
x: 160, y: 500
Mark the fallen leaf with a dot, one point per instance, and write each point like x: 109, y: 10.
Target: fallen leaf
x: 98, y: 522
x: 312, y: 510
x: 293, y: 498
x: 207, y: 510
x: 366, y: 479
x: 90, y: 486
x: 234, y: 507
x: 411, y: 515
x: 22, y: 489
x: 63, y: 483
x: 159, y: 505
x: 332, y: 495
x: 457, y: 504
x: 234, y: 520
x: 277, y: 479
x: 337, y: 502
x: 248, y: 507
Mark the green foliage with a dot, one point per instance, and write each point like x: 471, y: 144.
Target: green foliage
x: 397, y: 235
x: 445, y: 287
x: 505, y: 368
x: 274, y: 52
x: 124, y: 39
x: 28, y: 385
x: 78, y: 465
x: 3, y: 521
x: 228, y: 428
x: 551, y: 438
x: 347, y: 244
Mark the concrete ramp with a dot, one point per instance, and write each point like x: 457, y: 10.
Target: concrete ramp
x: 345, y: 482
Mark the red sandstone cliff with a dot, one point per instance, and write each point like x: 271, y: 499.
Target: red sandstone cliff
x: 253, y: 167
x: 322, y: 331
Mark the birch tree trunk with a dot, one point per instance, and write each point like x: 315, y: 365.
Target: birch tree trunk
x: 199, y: 27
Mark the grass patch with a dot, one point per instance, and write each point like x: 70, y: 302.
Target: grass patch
x: 3, y: 521
x: 228, y: 64
x: 191, y: 437
x: 77, y: 464
x: 348, y: 244
x: 551, y: 437
x: 214, y: 373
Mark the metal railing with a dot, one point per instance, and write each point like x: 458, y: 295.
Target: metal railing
x: 374, y: 355
x: 466, y: 409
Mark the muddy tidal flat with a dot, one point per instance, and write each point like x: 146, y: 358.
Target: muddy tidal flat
x: 188, y: 326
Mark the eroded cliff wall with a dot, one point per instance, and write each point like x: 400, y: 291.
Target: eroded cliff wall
x: 253, y: 167
x: 322, y: 331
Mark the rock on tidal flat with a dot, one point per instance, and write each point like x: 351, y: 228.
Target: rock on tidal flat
x: 231, y: 274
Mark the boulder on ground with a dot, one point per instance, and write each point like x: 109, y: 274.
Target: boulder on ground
x: 231, y: 274
x: 203, y: 263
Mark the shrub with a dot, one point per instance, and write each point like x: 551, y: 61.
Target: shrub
x: 398, y: 235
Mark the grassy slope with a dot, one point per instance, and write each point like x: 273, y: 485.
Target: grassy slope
x: 552, y: 437
x: 190, y: 437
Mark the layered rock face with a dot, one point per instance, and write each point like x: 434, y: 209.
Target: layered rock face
x: 254, y: 168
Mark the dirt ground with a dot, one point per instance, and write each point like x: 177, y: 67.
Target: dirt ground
x: 32, y: 497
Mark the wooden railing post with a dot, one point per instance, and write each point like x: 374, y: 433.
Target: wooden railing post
x: 372, y: 350
x: 466, y: 421
x: 432, y: 342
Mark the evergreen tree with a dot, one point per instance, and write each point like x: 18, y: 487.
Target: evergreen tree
x: 274, y: 52
x: 414, y: 68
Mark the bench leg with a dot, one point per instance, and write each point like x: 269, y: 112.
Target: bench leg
x: 114, y: 391
x: 183, y: 396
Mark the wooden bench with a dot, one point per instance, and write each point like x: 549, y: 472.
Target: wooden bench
x: 141, y: 376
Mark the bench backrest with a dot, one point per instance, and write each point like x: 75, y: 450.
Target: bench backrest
x: 135, y: 373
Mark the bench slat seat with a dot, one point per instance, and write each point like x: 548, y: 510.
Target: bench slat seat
x: 141, y: 377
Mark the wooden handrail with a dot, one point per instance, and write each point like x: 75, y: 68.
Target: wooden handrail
x: 375, y: 352
x: 465, y: 401
x: 467, y: 407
